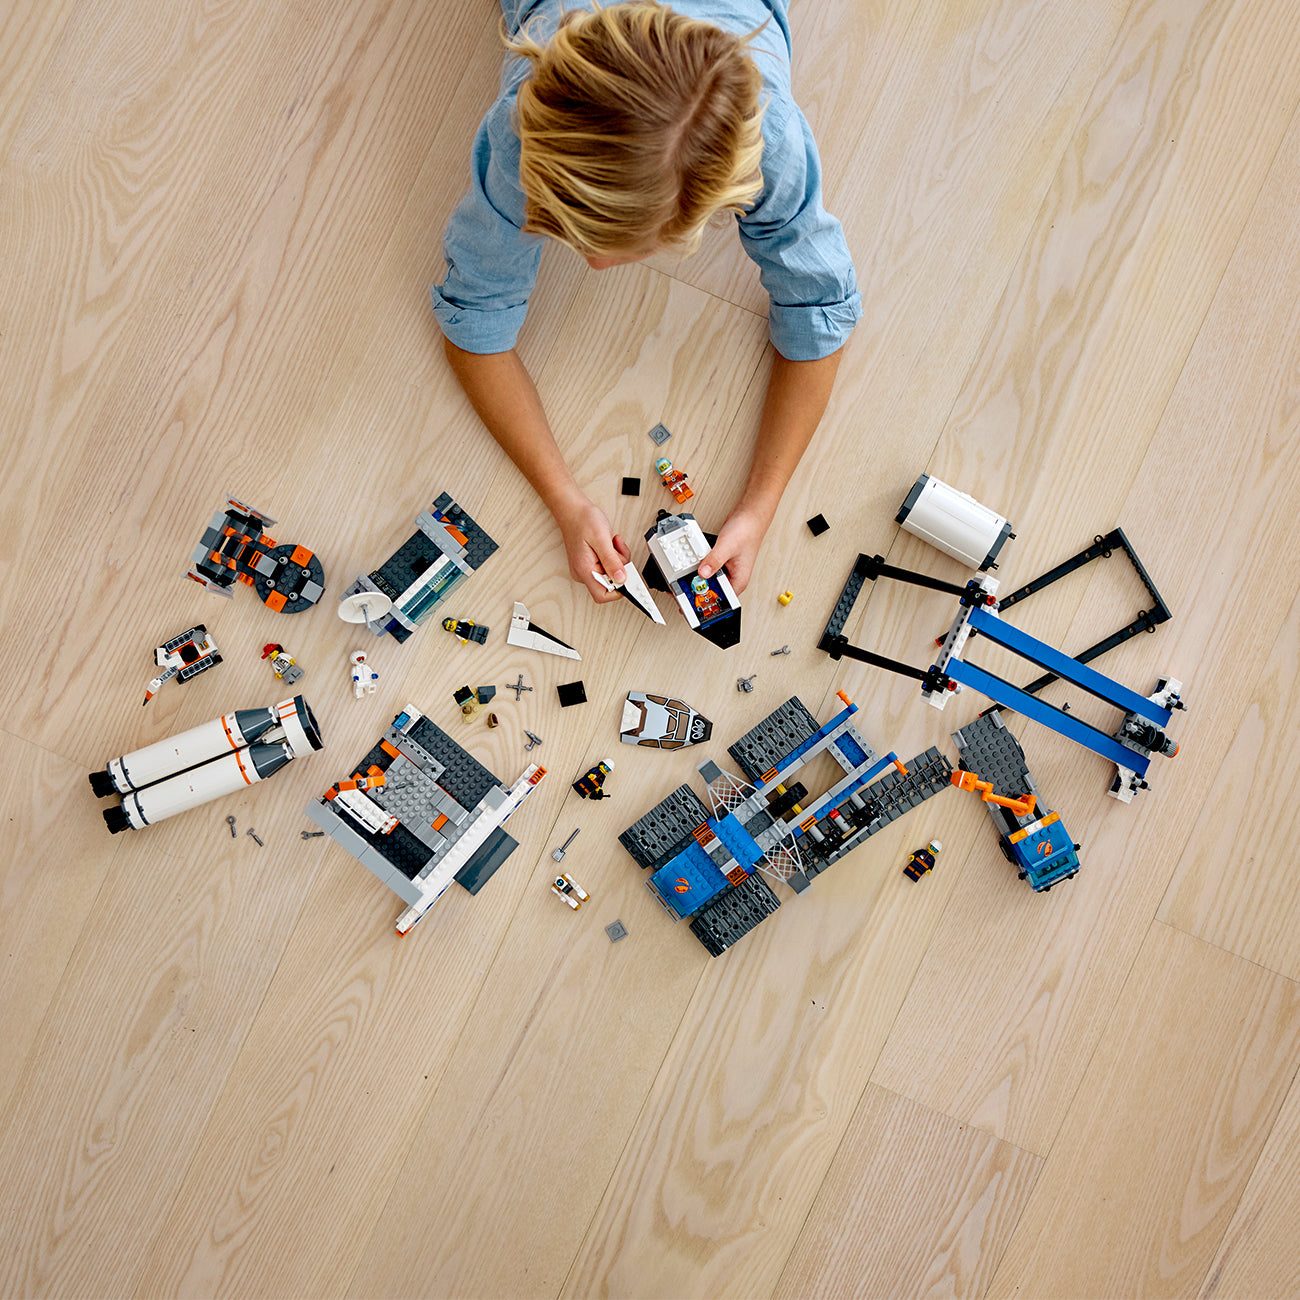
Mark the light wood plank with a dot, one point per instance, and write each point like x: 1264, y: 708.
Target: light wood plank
x: 1039, y: 998
x: 1236, y: 883
x: 1259, y: 1255
x: 915, y: 1204
x: 1169, y: 1120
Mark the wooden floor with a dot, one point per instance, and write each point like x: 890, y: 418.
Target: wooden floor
x: 1077, y: 231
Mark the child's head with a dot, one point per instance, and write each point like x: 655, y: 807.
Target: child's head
x: 637, y: 126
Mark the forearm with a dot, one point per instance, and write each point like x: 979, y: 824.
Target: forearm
x: 797, y: 394
x: 502, y: 393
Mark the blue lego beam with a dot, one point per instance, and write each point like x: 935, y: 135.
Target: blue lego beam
x: 1056, y: 661
x: 1058, y: 720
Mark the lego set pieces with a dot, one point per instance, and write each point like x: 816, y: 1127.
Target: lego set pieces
x: 447, y: 546
x: 922, y: 861
x: 634, y: 589
x: 216, y: 758
x: 571, y: 693
x: 787, y: 727
x: 1140, y: 735
x: 426, y: 814
x: 660, y: 722
x: 1035, y: 843
x: 954, y: 522
x: 183, y: 657
x: 235, y: 548
x: 567, y: 890
x: 590, y: 784
x: 283, y: 664
x: 657, y: 837
x: 733, y: 914
x: 467, y: 630
x: 674, y: 480
x: 528, y: 636
x: 709, y: 605
x: 364, y: 676
x: 659, y: 435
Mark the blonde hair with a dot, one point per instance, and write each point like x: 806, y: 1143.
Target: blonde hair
x: 637, y: 125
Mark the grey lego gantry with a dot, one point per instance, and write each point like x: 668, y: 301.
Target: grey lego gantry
x: 446, y: 548
x: 420, y: 812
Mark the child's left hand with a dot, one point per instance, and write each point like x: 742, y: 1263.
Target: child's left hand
x: 737, y: 547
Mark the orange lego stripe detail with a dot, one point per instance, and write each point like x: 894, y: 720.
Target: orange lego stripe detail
x: 702, y: 833
x: 301, y: 556
x: 243, y: 771
x: 804, y: 825
x: 229, y: 737
x: 737, y: 874
x: 537, y: 776
x: 440, y: 822
x: 388, y: 749
x: 276, y: 601
x: 767, y: 776
x: 457, y: 534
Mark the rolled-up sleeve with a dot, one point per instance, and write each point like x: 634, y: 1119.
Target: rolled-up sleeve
x: 491, y: 263
x: 803, y: 259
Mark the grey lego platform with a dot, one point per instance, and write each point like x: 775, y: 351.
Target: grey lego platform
x: 659, y: 836
x: 988, y: 749
x: 733, y: 914
x: 763, y: 746
x: 887, y: 798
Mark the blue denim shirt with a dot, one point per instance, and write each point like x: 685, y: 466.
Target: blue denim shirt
x: 802, y: 258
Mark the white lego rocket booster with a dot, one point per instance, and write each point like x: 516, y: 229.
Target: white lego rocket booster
x: 219, y: 757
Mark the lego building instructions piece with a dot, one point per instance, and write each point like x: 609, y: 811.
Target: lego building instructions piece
x: 634, y: 589
x: 283, y: 664
x: 236, y: 548
x: 705, y: 866
x: 659, y: 435
x: 424, y: 814
x: 661, y: 722
x: 447, y: 546
x: 709, y: 605
x: 1031, y: 836
x: 616, y: 931
x: 219, y: 757
x: 183, y: 657
x: 529, y: 636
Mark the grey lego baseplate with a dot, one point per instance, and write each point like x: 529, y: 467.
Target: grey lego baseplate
x: 988, y: 749
x: 765, y: 745
x: 658, y: 837
x: 733, y: 914
x: 890, y: 796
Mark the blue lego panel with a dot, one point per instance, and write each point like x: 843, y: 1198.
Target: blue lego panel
x: 1071, y: 670
x: 854, y: 754
x: 740, y: 843
x: 1070, y: 727
x: 785, y: 764
x: 688, y: 882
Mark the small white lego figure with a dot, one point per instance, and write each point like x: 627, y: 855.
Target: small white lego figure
x: 363, y: 676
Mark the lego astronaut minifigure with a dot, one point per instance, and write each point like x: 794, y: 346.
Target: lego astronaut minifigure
x: 363, y: 676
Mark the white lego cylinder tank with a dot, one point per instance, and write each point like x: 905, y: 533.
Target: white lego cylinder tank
x: 198, y: 785
x: 954, y: 522
x: 224, y: 735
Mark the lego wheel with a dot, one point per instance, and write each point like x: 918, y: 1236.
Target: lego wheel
x: 295, y: 581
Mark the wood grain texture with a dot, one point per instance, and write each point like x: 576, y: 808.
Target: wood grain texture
x: 915, y: 1204
x: 1075, y: 230
x: 1236, y: 885
x: 1055, y: 972
x: 1169, y: 1120
x: 1259, y: 1255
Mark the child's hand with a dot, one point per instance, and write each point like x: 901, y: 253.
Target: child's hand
x: 736, y: 547
x: 589, y: 545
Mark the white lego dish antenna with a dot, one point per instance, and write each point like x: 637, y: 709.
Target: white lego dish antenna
x: 365, y: 607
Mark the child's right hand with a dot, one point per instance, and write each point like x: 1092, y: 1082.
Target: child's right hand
x: 589, y: 544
